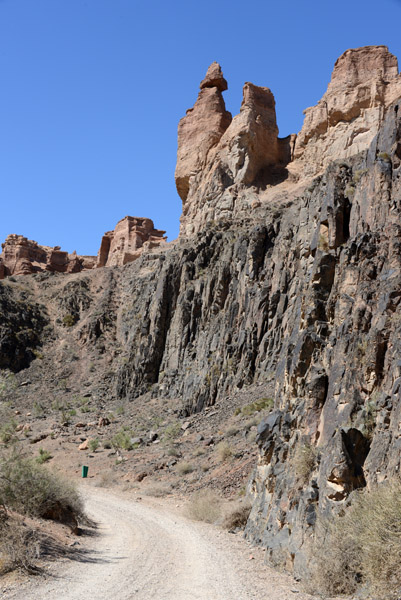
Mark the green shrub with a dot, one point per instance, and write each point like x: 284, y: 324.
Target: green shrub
x: 171, y: 432
x: 69, y: 320
x: 30, y: 488
x: 94, y: 444
x: 43, y: 457
x: 122, y: 440
x: 257, y: 406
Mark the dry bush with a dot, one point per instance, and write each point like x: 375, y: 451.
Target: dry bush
x: 107, y: 479
x: 204, y: 506
x: 18, y: 547
x: 304, y: 461
x: 31, y: 489
x: 157, y: 490
x: 237, y: 516
x: 224, y: 451
x: 363, y: 546
x: 184, y: 468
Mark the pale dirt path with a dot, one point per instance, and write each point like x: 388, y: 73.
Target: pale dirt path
x: 149, y: 552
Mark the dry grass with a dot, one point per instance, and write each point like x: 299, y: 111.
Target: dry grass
x: 184, y: 468
x: 237, y: 516
x: 157, y: 490
x: 107, y: 479
x: 204, y: 506
x: 304, y: 461
x: 362, y: 547
x: 224, y: 451
x: 18, y: 547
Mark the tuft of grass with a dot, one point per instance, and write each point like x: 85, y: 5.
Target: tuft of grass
x: 94, y: 444
x: 262, y: 404
x: 157, y: 490
x: 237, y: 516
x: 18, y: 547
x: 304, y: 461
x: 362, y: 546
x: 231, y: 431
x: 184, y: 468
x: 224, y: 451
x: 205, y: 506
x: 44, y: 456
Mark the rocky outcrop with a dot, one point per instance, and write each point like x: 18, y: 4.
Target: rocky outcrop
x: 364, y: 83
x: 201, y: 129
x: 245, y: 152
x: 131, y: 237
x: 21, y: 256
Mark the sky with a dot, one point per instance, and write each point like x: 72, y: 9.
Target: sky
x: 92, y: 92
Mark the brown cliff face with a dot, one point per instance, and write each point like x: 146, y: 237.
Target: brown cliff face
x: 131, y: 237
x: 201, y: 128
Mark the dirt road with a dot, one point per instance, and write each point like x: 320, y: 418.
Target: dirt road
x: 146, y: 552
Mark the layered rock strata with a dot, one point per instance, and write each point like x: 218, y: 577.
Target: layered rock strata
x: 21, y: 256
x: 131, y: 237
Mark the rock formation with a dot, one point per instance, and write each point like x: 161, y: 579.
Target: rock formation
x: 364, y: 83
x: 201, y: 128
x: 131, y: 237
x: 21, y: 256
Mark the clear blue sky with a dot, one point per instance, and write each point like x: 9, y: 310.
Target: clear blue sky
x: 92, y: 92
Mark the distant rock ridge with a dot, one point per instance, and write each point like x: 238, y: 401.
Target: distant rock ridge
x: 131, y: 237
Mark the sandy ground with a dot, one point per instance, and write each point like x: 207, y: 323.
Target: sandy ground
x: 147, y: 549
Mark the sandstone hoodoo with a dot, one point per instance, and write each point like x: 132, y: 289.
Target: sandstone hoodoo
x: 131, y: 237
x: 201, y: 128
x: 282, y: 292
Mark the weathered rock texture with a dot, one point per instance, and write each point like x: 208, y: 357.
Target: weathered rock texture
x: 21, y: 256
x: 364, y: 83
x: 280, y: 277
x: 201, y: 129
x: 131, y: 237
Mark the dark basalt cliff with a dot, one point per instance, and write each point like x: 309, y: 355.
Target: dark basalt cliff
x: 287, y: 272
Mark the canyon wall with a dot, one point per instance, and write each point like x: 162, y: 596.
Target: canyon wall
x: 286, y: 273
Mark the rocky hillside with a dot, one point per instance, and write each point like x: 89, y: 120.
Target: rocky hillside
x: 286, y: 273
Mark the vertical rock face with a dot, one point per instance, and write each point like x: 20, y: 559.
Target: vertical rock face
x: 129, y: 239
x: 201, y: 128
